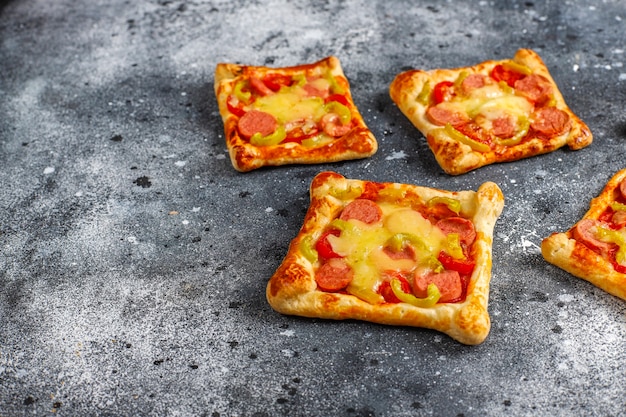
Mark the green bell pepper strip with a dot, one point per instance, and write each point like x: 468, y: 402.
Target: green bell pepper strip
x: 614, y: 236
x: 306, y: 247
x: 397, y: 241
x: 391, y: 194
x: 431, y: 299
x: 272, y: 139
x: 514, y: 66
x: 351, y: 192
x: 453, y: 246
x: 334, y: 85
x: 505, y: 87
x: 460, y: 137
x: 459, y: 80
x: 452, y: 203
x: 618, y: 206
x: 242, y: 95
x: 435, y: 264
x: 299, y: 80
x: 424, y: 96
x: 339, y: 109
x: 517, y: 138
x: 344, y: 225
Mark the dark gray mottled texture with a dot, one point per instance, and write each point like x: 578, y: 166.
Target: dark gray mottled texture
x: 134, y: 258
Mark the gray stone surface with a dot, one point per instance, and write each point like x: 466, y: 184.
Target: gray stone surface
x: 134, y: 258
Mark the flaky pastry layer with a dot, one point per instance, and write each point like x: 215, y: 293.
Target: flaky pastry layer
x: 564, y: 251
x: 455, y: 157
x: 293, y: 290
x: 358, y: 143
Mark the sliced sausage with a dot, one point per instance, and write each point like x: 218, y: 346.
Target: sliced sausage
x: 535, y: 87
x: 259, y: 87
x: 361, y: 209
x: 550, y: 121
x: 472, y: 82
x: 442, y: 115
x: 582, y: 232
x: 503, y: 127
x: 406, y: 252
x: 256, y: 121
x: 332, y: 126
x: 464, y: 228
x: 448, y: 283
x: 313, y: 91
x: 334, y: 275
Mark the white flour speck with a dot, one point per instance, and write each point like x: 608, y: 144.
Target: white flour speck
x: 78, y: 194
x: 220, y: 156
x: 566, y: 298
x: 288, y: 353
x: 269, y: 210
x: 132, y: 239
x: 48, y: 170
x: 396, y: 155
x: 195, y: 209
x: 622, y: 77
x: 185, y: 222
x: 288, y: 333
x: 180, y: 163
x: 575, y: 67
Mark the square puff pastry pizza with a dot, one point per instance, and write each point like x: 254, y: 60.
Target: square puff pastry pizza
x: 390, y: 253
x: 495, y: 111
x: 292, y: 115
x: 594, y: 249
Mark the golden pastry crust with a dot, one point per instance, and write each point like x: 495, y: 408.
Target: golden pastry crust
x: 293, y: 289
x: 569, y: 254
x: 458, y: 158
x: 359, y: 142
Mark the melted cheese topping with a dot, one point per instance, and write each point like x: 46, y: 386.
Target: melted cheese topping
x: 491, y: 102
x: 291, y: 105
x: 362, y: 246
x: 300, y: 106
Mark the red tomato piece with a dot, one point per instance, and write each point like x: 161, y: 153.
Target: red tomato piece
x: 499, y: 73
x: 236, y: 109
x: 462, y: 266
x: 323, y: 246
x: 385, y: 288
x: 339, y: 98
x: 443, y: 91
x: 275, y: 81
x: 475, y: 132
x: 619, y: 268
x: 607, y: 217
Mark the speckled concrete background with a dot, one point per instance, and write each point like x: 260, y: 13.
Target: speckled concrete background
x: 134, y: 258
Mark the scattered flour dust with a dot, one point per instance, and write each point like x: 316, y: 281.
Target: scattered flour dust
x: 396, y: 155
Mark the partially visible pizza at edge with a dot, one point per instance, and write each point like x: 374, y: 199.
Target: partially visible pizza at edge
x: 495, y: 111
x: 594, y: 249
x: 391, y: 253
x: 303, y: 114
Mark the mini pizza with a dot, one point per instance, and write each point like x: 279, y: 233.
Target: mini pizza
x: 293, y: 115
x: 496, y: 111
x: 390, y: 253
x: 594, y: 249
